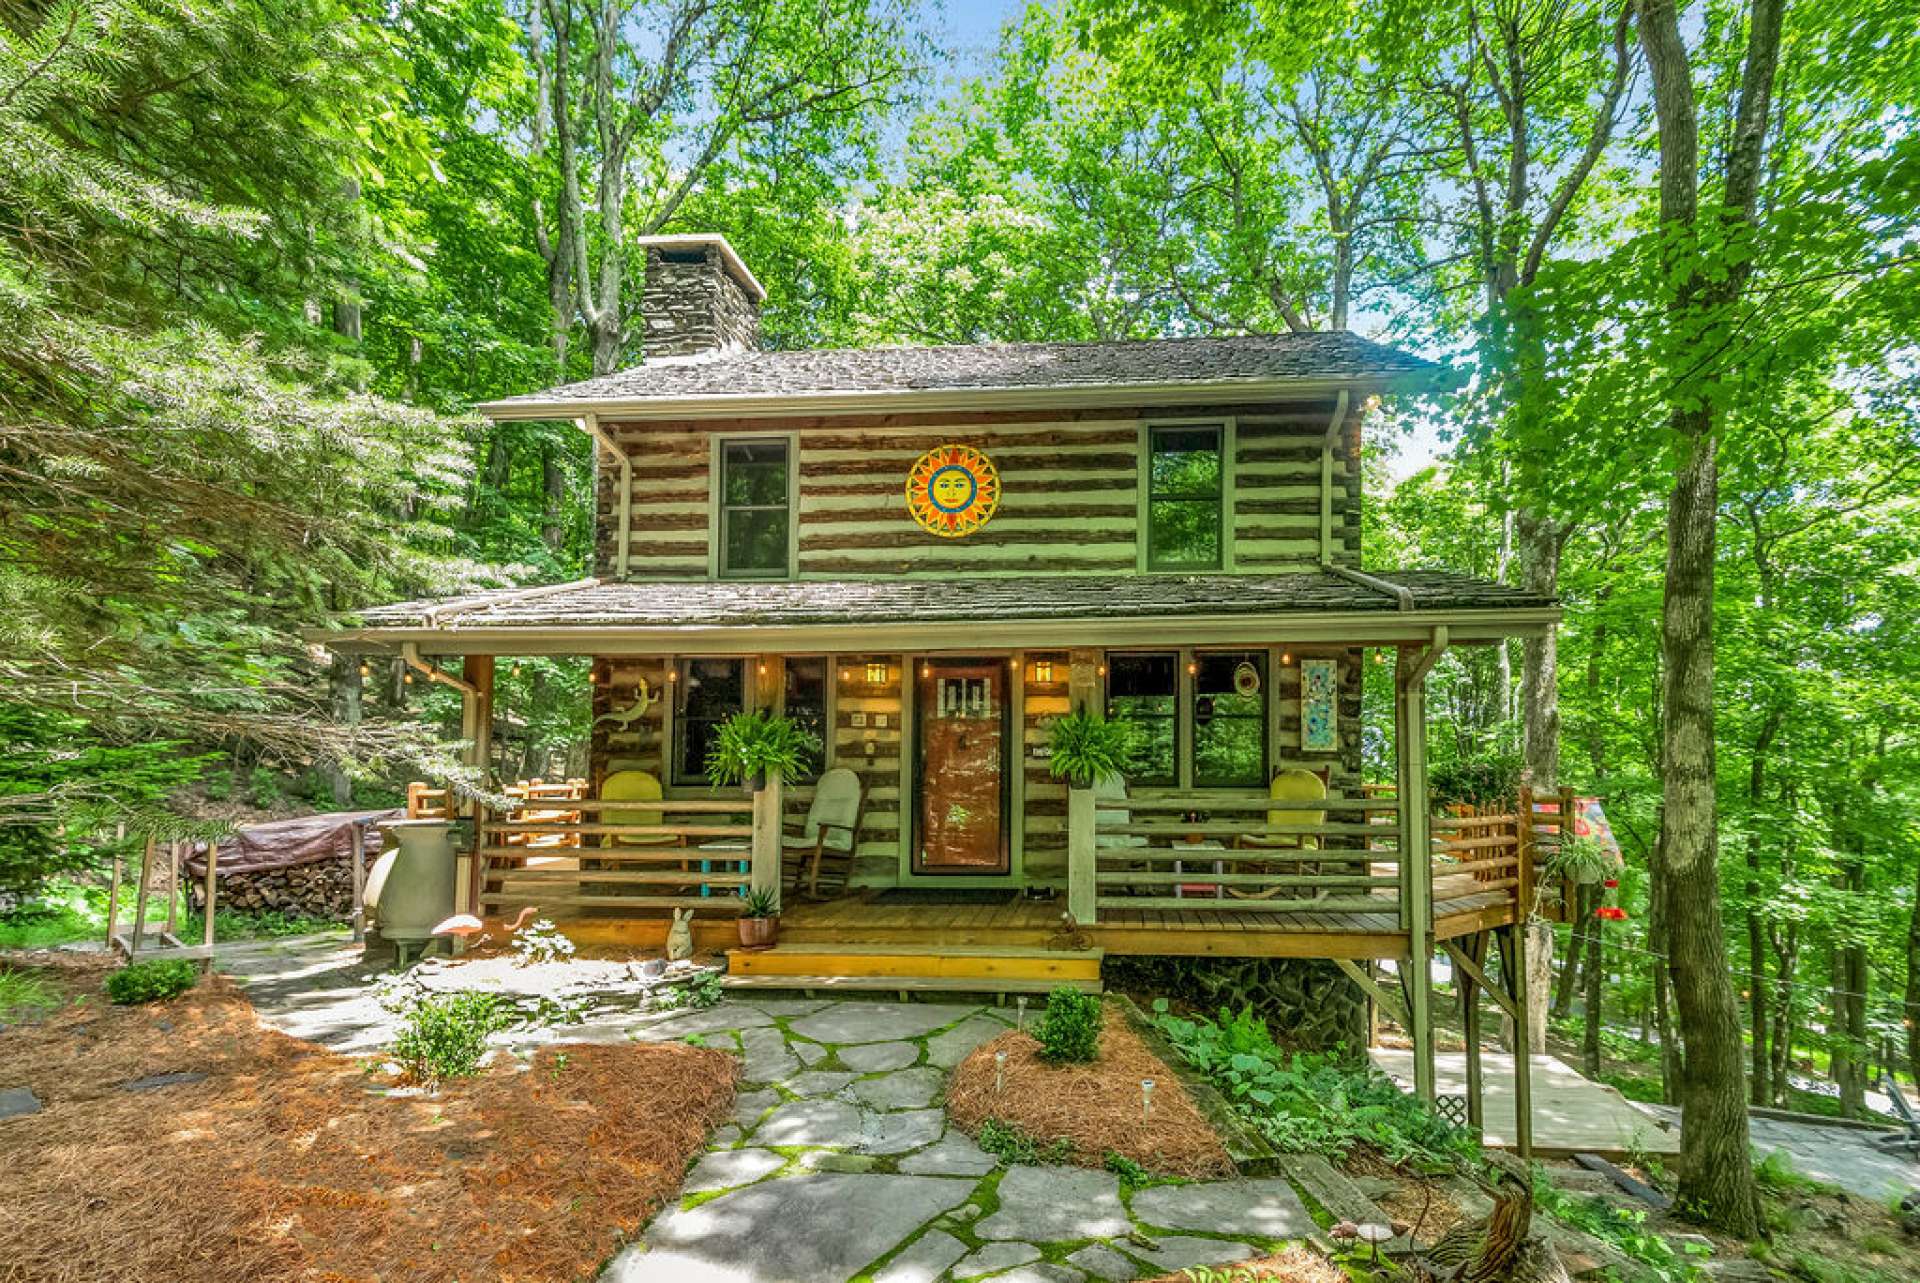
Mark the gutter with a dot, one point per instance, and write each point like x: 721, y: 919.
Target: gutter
x: 892, y: 400
x: 410, y: 652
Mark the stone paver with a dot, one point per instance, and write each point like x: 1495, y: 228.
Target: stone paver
x: 897, y: 1133
x: 767, y: 1057
x: 1179, y: 1251
x: 17, y: 1102
x: 810, y: 1053
x: 716, y: 1019
x: 1268, y: 1208
x: 873, y: 1057
x: 726, y: 1168
x: 995, y: 1257
x: 925, y: 1260
x: 749, y: 1105
x: 877, y: 1021
x: 954, y: 1154
x: 1049, y: 1204
x: 825, y: 1227
x: 902, y: 1089
x: 821, y: 1121
x: 1103, y: 1262
x: 817, y: 1082
x: 950, y: 1048
x: 1045, y: 1272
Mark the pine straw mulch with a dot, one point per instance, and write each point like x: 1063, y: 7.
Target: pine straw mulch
x: 1289, y: 1265
x: 287, y: 1163
x: 1293, y: 1264
x: 1094, y: 1107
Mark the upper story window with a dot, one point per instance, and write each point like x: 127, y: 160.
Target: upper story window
x: 1185, y: 497
x: 755, y: 501
x: 707, y: 692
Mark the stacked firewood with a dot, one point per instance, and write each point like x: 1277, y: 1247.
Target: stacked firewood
x: 321, y: 889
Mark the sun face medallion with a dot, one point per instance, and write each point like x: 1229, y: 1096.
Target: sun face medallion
x: 952, y: 491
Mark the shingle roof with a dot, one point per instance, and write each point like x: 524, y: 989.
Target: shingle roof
x: 705, y: 603
x: 988, y: 366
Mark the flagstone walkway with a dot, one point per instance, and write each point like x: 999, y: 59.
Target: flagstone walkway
x: 839, y: 1165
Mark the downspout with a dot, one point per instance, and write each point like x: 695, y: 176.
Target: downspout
x: 1401, y: 594
x: 591, y: 425
x: 410, y: 653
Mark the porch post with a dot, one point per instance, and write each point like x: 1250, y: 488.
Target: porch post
x: 476, y: 727
x: 764, y: 873
x: 1083, y: 692
x: 1416, y: 858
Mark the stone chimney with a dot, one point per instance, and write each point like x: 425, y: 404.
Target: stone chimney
x: 700, y: 299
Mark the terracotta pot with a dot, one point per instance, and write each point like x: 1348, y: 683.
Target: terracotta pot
x: 759, y: 933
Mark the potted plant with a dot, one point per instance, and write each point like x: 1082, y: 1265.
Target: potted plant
x: 1085, y: 748
x: 1581, y: 861
x: 750, y: 746
x: 759, y: 919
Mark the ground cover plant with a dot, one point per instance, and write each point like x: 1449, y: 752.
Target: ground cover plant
x: 1092, y: 1113
x: 302, y: 1167
x: 1309, y: 1102
x: 151, y: 981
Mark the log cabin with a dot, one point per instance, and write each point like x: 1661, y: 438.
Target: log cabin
x: 923, y: 555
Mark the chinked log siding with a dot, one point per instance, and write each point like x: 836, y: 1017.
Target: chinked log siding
x: 1070, y: 498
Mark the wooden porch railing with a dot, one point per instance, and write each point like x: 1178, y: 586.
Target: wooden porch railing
x: 1232, y: 860
x: 701, y: 854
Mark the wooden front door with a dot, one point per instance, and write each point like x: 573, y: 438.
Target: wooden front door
x: 960, y: 821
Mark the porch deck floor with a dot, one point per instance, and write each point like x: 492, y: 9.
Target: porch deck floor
x: 1022, y: 922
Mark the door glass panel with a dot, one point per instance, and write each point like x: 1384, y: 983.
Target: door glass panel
x: 961, y: 720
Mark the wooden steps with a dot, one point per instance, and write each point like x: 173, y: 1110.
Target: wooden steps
x: 908, y: 968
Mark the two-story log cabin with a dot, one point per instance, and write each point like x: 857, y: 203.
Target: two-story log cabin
x: 924, y: 555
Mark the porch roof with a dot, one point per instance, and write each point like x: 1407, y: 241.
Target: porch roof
x: 609, y: 616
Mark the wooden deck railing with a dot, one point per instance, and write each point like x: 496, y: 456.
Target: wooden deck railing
x: 1192, y: 851
x: 699, y: 855
x: 1230, y: 858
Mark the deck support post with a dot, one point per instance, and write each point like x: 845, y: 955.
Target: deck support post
x: 476, y: 728
x: 1082, y: 856
x: 764, y: 872
x: 1513, y: 973
x: 1466, y: 982
x: 1416, y: 850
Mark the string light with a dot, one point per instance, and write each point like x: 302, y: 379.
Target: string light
x: 366, y: 669
x: 407, y: 678
x: 1286, y: 657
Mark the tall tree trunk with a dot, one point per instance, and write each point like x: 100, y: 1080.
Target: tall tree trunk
x: 343, y: 695
x: 1569, y: 981
x: 1911, y: 998
x: 1541, y: 541
x: 1760, y: 1089
x: 1716, y: 1166
x: 1669, y: 1037
x: 1595, y: 978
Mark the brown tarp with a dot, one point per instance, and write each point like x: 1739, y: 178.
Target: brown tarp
x: 285, y: 843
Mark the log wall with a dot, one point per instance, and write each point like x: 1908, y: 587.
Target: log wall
x: 1070, y: 496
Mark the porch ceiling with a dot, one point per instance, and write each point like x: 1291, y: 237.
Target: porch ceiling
x: 949, y: 614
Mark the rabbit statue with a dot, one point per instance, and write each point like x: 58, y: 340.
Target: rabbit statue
x: 680, y: 936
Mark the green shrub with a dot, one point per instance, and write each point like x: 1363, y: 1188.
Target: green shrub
x: 151, y: 981
x: 1070, y: 1031
x: 752, y: 744
x: 445, y: 1035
